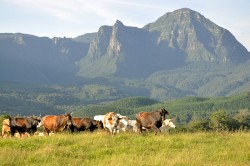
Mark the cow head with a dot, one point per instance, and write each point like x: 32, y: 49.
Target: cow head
x: 69, y: 119
x: 36, y: 121
x: 163, y: 113
x: 115, y: 119
x: 99, y: 124
x: 169, y: 123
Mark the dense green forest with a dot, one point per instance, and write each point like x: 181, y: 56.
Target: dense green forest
x: 197, y: 113
x: 86, y: 101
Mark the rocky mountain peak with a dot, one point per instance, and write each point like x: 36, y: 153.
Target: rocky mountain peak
x: 197, y: 36
x: 118, y: 24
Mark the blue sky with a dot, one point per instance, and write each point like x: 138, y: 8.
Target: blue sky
x: 70, y: 18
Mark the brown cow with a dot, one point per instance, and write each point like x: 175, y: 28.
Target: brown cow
x: 5, y: 127
x: 23, y: 125
x: 82, y: 124
x: 55, y: 123
x: 151, y: 119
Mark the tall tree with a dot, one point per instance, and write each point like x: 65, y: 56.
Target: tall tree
x: 219, y: 120
x: 243, y: 118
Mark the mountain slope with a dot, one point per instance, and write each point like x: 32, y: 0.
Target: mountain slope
x: 205, y: 79
x: 27, y: 58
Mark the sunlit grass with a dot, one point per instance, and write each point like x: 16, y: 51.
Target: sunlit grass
x: 100, y: 148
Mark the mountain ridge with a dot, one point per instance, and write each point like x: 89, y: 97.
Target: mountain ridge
x: 176, y: 38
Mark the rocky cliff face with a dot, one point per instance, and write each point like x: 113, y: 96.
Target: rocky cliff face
x: 198, y: 37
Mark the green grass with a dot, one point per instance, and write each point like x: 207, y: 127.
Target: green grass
x: 100, y: 148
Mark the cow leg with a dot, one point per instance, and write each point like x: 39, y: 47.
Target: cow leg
x: 114, y: 131
x: 47, y: 131
x: 91, y: 129
x: 157, y: 130
x: 18, y: 134
x: 12, y: 132
x: 139, y: 128
x: 108, y: 130
x: 30, y: 131
x: 72, y: 128
x: 3, y: 131
x: 111, y: 130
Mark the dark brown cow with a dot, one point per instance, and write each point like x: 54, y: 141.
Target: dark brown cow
x: 55, y: 123
x: 82, y: 124
x: 22, y: 125
x: 151, y: 119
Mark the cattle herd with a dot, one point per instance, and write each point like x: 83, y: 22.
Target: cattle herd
x: 111, y: 122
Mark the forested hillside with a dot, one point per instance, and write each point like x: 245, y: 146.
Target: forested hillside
x: 93, y: 99
x: 184, y: 109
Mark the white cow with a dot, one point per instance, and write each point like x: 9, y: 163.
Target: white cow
x: 123, y: 123
x: 99, y: 118
x: 111, y: 121
x: 132, y: 124
x: 169, y: 123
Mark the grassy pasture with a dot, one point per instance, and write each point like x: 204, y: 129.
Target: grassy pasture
x: 100, y: 148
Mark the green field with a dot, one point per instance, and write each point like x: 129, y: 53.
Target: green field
x: 100, y: 148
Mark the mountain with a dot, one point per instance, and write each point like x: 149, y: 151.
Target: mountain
x: 180, y: 54
x: 27, y: 58
x: 117, y: 50
x: 198, y: 37
x: 174, y: 40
